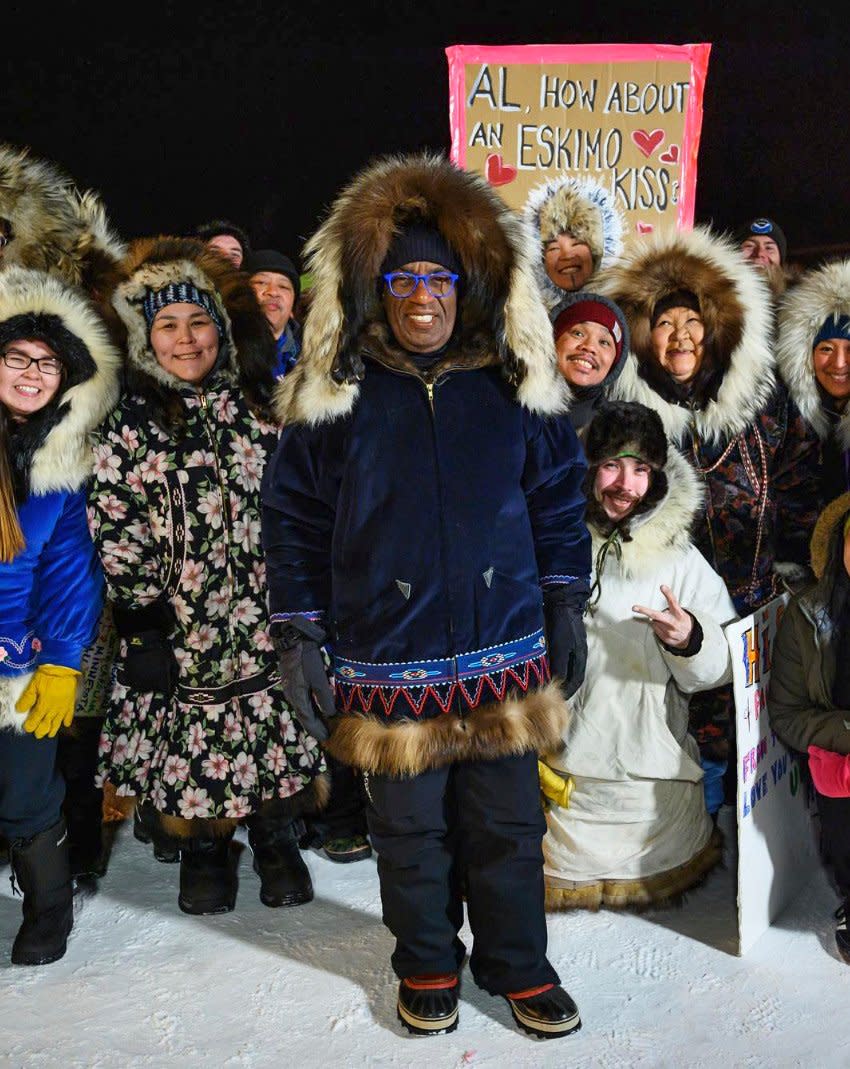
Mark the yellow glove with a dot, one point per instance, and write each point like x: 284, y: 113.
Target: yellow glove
x: 555, y: 786
x: 49, y: 699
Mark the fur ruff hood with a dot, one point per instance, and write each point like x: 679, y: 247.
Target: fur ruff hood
x: 578, y: 206
x: 821, y: 294
x: 54, y: 226
x: 735, y: 306
x: 248, y: 346
x: 663, y: 529
x: 499, y: 308
x: 52, y: 451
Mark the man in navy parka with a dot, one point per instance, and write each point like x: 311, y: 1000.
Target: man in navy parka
x: 423, y: 517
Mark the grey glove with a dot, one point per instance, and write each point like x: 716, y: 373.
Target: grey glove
x: 303, y: 676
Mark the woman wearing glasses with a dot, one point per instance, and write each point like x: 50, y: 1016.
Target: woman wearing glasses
x: 58, y: 380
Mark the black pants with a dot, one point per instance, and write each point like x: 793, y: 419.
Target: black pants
x: 31, y: 787
x: 345, y: 814
x: 834, y: 816
x: 475, y: 826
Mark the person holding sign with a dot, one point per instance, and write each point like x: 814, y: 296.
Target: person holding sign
x: 591, y: 340
x: 423, y: 513
x: 809, y: 692
x: 813, y: 354
x: 635, y: 831
x: 699, y: 319
x: 580, y: 230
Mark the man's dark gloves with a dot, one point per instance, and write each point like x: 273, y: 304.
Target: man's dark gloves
x: 563, y: 605
x: 150, y: 665
x: 303, y: 674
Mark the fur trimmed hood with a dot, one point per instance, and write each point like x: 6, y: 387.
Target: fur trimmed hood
x: 499, y: 307
x: 53, y: 226
x: 663, y: 528
x: 821, y: 294
x: 247, y: 350
x: 51, y: 451
x: 735, y: 307
x: 578, y: 206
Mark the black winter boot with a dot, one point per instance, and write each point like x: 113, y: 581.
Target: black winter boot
x: 547, y: 1011
x: 147, y: 829
x: 284, y: 878
x: 40, y: 868
x: 427, y: 1005
x: 76, y: 758
x: 842, y: 935
x: 207, y: 876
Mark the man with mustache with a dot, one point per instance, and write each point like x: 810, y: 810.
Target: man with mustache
x: 636, y: 832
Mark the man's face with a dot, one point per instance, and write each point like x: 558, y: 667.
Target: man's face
x: 568, y: 263
x: 586, y: 353
x: 229, y: 246
x: 620, y: 484
x: 421, y: 323
x: 761, y: 250
x: 276, y: 296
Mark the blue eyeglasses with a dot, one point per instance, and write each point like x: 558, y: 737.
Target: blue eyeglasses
x: 404, y: 283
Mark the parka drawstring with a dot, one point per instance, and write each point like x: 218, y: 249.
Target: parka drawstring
x: 612, y: 542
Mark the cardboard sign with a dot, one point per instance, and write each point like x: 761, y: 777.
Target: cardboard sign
x: 628, y: 116
x: 777, y: 846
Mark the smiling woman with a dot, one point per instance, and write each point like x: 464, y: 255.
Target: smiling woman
x: 30, y: 375
x: 185, y: 341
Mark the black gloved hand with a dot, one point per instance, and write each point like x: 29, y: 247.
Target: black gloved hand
x: 566, y: 640
x: 303, y: 676
x: 150, y: 665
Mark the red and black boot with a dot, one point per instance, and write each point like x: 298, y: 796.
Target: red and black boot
x: 546, y: 1011
x: 427, y: 1005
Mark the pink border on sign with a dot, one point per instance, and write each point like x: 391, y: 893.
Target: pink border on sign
x: 697, y: 55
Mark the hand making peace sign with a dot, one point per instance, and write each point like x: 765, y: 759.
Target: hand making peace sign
x: 672, y: 625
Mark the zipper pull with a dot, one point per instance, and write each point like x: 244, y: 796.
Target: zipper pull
x: 429, y: 386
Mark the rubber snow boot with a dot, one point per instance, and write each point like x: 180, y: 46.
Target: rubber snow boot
x: 83, y: 810
x: 40, y: 869
x: 207, y: 877
x: 146, y: 828
x: 284, y: 878
x: 427, y: 1005
x: 546, y: 1011
x: 345, y: 850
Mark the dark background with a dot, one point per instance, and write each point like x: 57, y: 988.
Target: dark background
x: 260, y: 111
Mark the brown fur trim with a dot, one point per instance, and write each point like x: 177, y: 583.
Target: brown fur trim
x: 499, y: 297
x: 661, y: 890
x: 534, y: 722
x: 567, y: 894
x: 196, y: 828
x: 822, y: 534
x: 154, y: 262
x: 117, y: 807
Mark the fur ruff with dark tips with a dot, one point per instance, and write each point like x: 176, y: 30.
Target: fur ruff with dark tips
x: 499, y: 299
x: 533, y: 722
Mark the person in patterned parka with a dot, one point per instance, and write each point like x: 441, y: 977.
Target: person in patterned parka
x: 198, y: 725
x: 700, y: 325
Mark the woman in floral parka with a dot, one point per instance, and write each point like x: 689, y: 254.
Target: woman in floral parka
x: 198, y: 725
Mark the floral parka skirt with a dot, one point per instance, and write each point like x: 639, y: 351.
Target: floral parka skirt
x: 177, y: 519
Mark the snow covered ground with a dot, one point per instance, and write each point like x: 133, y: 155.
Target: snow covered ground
x: 144, y: 985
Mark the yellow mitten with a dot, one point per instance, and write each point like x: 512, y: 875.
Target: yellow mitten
x: 49, y: 699
x: 555, y: 786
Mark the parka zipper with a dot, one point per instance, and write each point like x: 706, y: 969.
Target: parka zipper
x: 430, y: 388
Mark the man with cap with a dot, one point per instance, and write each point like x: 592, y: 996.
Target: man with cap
x: 277, y: 285
x: 591, y: 338
x: 763, y: 245
x: 423, y: 514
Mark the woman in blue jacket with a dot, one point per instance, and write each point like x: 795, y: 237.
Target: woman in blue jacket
x: 58, y: 379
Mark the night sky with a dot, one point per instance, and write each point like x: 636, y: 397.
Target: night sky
x: 261, y: 111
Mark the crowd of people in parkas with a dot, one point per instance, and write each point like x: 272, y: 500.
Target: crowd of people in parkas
x: 437, y: 570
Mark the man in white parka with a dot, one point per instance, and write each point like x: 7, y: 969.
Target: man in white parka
x: 636, y: 831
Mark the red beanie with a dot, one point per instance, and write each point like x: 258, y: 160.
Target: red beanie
x: 591, y: 311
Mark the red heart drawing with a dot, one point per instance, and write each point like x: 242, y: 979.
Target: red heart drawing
x: 644, y: 228
x: 671, y: 155
x: 646, y: 142
x: 498, y: 172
